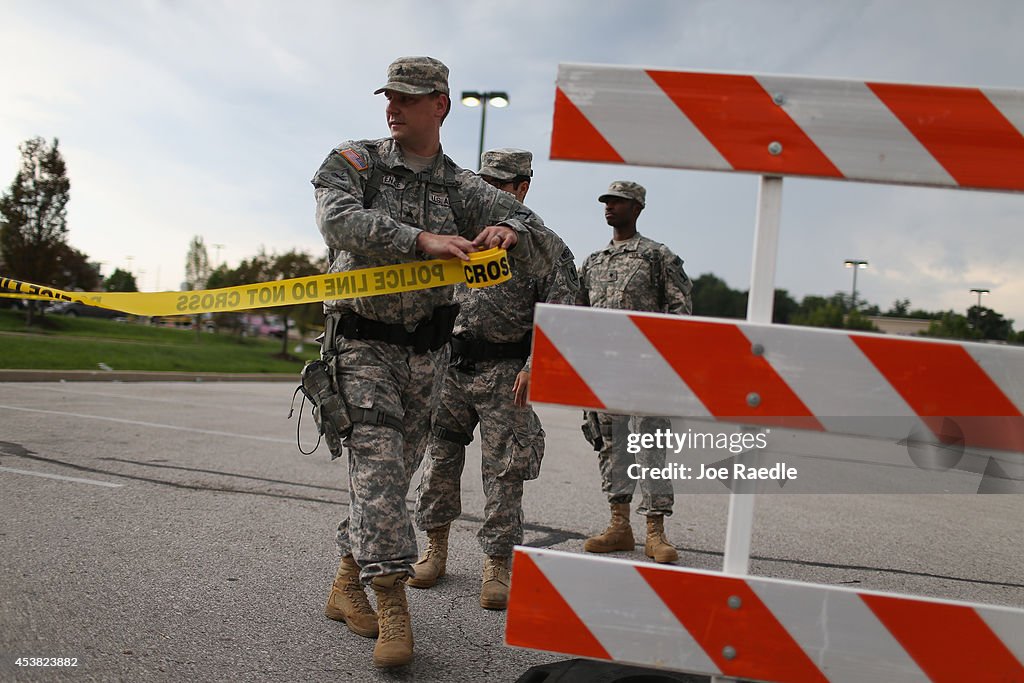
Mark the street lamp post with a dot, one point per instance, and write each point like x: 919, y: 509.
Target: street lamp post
x: 979, y: 292
x: 977, y: 311
x: 472, y: 98
x: 856, y: 264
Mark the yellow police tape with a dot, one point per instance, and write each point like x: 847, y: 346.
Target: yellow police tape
x: 484, y: 268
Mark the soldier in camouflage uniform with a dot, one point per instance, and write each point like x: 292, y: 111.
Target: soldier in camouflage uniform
x: 382, y: 202
x: 487, y: 384
x: 637, y: 274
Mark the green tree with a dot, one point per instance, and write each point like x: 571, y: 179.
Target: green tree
x: 249, y: 271
x: 784, y: 307
x: 197, y: 272
x: 924, y: 315
x: 713, y: 297
x: 74, y: 271
x: 858, y: 320
x: 197, y: 265
x: 296, y: 264
x: 34, y: 212
x: 255, y: 269
x: 873, y: 309
x: 222, y: 276
x: 120, y: 281
x: 265, y: 267
x: 812, y: 306
x: 989, y: 324
x: 820, y: 314
x: 817, y: 311
x: 952, y: 326
x: 900, y: 308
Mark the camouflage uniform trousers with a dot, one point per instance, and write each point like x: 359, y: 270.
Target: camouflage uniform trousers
x: 512, y: 446
x: 615, y: 459
x: 378, y: 531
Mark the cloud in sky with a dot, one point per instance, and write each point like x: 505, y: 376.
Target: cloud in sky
x: 209, y: 118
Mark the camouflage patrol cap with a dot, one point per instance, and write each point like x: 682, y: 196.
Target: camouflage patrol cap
x: 506, y: 163
x: 416, y: 76
x: 626, y: 189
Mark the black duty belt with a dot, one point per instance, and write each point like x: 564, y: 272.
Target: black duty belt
x: 430, y: 334
x: 479, y: 349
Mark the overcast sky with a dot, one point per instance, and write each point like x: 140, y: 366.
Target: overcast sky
x: 209, y: 118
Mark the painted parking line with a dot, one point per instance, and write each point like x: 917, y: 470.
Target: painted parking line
x: 78, y: 480
x: 140, y: 423
x: 219, y: 405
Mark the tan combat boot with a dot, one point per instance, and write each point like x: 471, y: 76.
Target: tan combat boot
x: 394, y: 644
x: 657, y: 546
x: 347, y: 601
x: 431, y: 566
x: 618, y: 535
x: 496, y: 579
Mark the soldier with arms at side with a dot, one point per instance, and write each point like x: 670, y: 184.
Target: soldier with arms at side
x: 638, y: 274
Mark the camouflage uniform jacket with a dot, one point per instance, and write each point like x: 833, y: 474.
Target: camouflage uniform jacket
x: 504, y: 313
x: 639, y: 275
x: 408, y: 203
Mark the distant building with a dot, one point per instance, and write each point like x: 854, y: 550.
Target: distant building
x: 902, y: 326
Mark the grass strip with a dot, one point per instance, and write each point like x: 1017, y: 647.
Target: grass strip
x: 61, y: 343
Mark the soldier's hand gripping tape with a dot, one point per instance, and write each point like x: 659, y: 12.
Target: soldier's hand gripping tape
x: 592, y: 430
x: 329, y: 410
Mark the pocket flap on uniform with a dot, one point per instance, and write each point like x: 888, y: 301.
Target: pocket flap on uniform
x: 527, y: 451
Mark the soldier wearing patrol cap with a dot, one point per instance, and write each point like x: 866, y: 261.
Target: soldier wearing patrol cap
x: 486, y: 384
x: 638, y: 274
x: 378, y: 203
x: 508, y: 169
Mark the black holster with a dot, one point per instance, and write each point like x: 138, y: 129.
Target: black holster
x: 592, y: 430
x: 329, y: 410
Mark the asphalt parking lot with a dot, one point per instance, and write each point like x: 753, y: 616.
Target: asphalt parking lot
x: 167, y: 531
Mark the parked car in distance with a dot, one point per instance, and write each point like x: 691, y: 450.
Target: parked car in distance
x: 265, y: 325
x: 184, y: 322
x: 76, y: 309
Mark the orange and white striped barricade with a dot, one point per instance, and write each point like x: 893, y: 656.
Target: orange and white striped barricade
x: 940, y: 136
x: 965, y: 398
x: 754, y: 628
x: 953, y: 137
x: 785, y: 125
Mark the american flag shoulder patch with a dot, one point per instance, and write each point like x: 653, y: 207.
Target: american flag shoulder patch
x: 355, y: 158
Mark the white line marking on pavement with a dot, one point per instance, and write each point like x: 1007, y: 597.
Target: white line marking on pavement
x: 150, y: 424
x: 61, y: 477
x: 222, y: 405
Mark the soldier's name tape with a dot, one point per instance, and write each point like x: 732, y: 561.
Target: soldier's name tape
x: 484, y: 268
